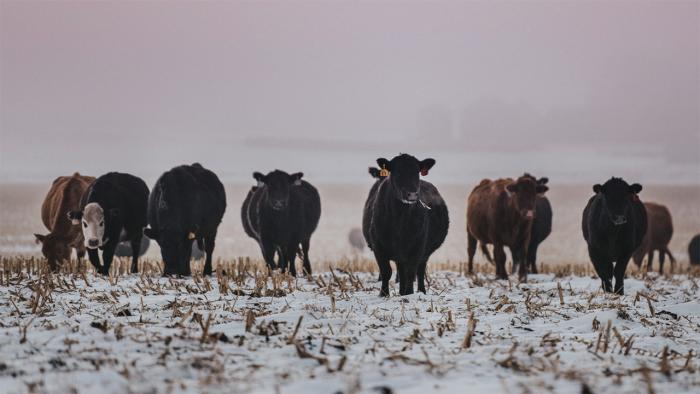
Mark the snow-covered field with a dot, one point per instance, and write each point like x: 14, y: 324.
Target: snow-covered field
x: 75, y: 333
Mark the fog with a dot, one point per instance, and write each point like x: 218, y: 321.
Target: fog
x: 578, y: 91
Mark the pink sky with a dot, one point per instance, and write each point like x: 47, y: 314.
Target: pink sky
x: 201, y: 80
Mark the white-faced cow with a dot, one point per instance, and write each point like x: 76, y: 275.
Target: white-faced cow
x: 113, y: 209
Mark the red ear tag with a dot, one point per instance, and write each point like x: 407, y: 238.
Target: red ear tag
x: 424, y: 171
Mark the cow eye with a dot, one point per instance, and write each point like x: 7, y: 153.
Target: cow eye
x: 84, y: 224
x: 102, y: 223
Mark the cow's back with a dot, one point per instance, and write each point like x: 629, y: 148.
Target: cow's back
x: 660, y: 225
x: 484, y: 209
x: 64, y: 196
x: 438, y: 214
x: 542, y: 224
x: 368, y: 211
x: 311, y: 201
x: 246, y: 214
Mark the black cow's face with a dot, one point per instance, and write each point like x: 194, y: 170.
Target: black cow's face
x: 175, y: 246
x: 524, y: 192
x: 540, y: 181
x: 618, y: 196
x: 404, y: 175
x: 278, y: 185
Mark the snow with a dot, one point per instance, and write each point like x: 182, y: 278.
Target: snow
x: 145, y: 334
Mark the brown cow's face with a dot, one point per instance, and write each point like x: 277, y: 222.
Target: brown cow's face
x: 54, y: 249
x: 523, y: 192
x: 404, y: 175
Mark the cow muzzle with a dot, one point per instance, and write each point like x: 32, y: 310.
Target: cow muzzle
x: 410, y: 198
x: 278, y: 205
x: 528, y: 214
x: 93, y: 243
x: 619, y: 220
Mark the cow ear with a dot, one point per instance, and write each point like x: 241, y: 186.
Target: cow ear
x: 597, y: 188
x: 384, y: 164
x: 426, y: 165
x: 75, y: 216
x: 114, y: 212
x: 150, y: 233
x: 259, y: 177
x: 296, y: 178
x: 541, y: 189
x: 374, y: 172
x: 40, y: 238
x: 512, y: 188
x: 635, y: 188
x: 543, y: 181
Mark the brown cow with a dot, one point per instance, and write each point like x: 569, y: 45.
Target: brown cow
x: 63, y: 197
x: 501, y: 212
x: 658, y: 235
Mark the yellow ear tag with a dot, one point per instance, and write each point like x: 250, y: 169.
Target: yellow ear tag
x: 383, y: 172
x: 191, y: 236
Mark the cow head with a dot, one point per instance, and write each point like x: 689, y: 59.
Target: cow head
x: 92, y: 220
x: 523, y: 192
x: 404, y: 175
x: 278, y: 185
x: 175, y: 245
x: 618, y: 196
x: 540, y: 181
x: 55, y: 249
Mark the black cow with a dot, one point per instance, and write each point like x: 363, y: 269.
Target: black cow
x: 187, y: 203
x: 541, y: 225
x: 280, y: 214
x: 406, y: 220
x: 694, y: 250
x: 113, y: 209
x: 614, y: 223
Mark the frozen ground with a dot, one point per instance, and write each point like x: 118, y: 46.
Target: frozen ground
x: 87, y: 334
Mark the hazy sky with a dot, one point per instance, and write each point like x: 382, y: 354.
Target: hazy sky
x: 574, y: 90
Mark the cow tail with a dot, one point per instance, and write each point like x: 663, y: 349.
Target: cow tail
x: 486, y: 252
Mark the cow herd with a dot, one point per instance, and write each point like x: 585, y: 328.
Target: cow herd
x: 405, y: 220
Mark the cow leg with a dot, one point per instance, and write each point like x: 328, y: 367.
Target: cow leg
x: 471, y: 250
x: 670, y: 257
x: 620, y: 268
x: 268, y: 252
x: 515, y: 255
x: 135, y: 249
x: 290, y: 258
x: 305, y: 251
x: 499, y: 256
x: 522, y: 265
x: 282, y: 259
x: 94, y: 256
x: 650, y: 260
x: 421, y: 276
x: 107, y: 256
x: 209, y: 244
x: 384, y: 273
x: 662, y: 260
x: 532, y: 257
x: 408, y: 273
x: 80, y: 254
